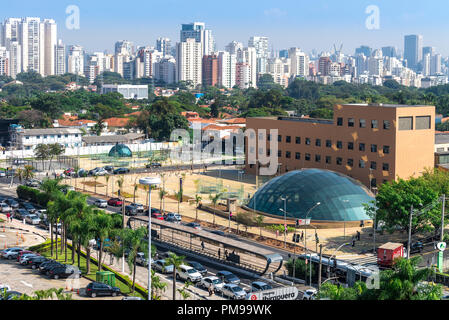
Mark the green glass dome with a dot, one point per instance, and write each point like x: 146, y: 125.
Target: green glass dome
x: 120, y: 151
x: 341, y: 197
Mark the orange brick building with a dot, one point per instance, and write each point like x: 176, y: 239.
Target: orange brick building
x: 372, y: 143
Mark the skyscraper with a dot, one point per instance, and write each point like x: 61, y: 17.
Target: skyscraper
x: 365, y: 50
x: 299, y: 62
x: 60, y: 59
x: 75, y: 60
x: 210, y: 70
x: 227, y: 64
x: 164, y: 45
x: 389, y: 51
x: 189, y: 56
x: 262, y: 53
x: 198, y: 31
x: 413, y: 50
x: 50, y: 42
x: 124, y: 47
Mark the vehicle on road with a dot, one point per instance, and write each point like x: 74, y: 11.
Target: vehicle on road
x: 33, y: 183
x: 198, y: 266
x: 10, y: 253
x: 260, y: 286
x: 21, y: 214
x: 25, y: 252
x: 95, y: 289
x: 141, y: 260
x: 188, y: 273
x: 109, y: 169
x: 91, y: 172
x: 213, y: 281
x: 233, y: 291
x: 134, y: 209
x: 23, y: 260
x: 157, y: 216
x: 309, y: 294
x: 228, y: 277
x: 153, y: 165
x: 100, y: 172
x: 2, y: 174
x: 4, y: 207
x: 194, y: 225
x: 173, y: 217
x: 161, y: 267
x: 35, y: 262
x: 115, y: 202
x: 32, y: 219
x: 121, y: 171
x: 46, y: 266
x: 100, y: 203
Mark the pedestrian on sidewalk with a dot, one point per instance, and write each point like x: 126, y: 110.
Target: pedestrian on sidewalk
x: 358, y: 236
x: 211, y: 291
x: 7, y: 216
x: 202, y: 245
x: 219, y: 253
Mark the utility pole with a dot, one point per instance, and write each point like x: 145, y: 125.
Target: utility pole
x: 442, y: 218
x: 409, y: 233
x: 319, y: 270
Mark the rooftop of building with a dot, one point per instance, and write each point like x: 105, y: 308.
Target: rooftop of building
x: 113, y: 138
x: 385, y: 105
x: 37, y: 132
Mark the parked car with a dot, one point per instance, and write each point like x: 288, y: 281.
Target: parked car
x: 95, y: 289
x: 260, y: 286
x: 115, y: 202
x: 35, y: 262
x: 23, y: 260
x: 10, y: 253
x: 25, y: 252
x: 173, y: 217
x: 160, y: 266
x: 198, y: 266
x: 109, y: 169
x: 4, y: 207
x: 32, y: 219
x: 188, y: 273
x: 194, y: 225
x: 91, y: 172
x: 44, y: 224
x: 134, y: 209
x: 46, y: 266
x: 100, y: 203
x: 29, y: 207
x: 21, y: 214
x: 100, y: 172
x: 63, y: 272
x: 121, y: 171
x: 228, y: 277
x: 213, y: 281
x: 81, y: 174
x: 233, y: 291
x: 41, y: 213
x: 309, y: 294
x: 12, y: 203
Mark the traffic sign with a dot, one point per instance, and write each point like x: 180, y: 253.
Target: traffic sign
x: 303, y: 222
x: 441, y: 246
x: 284, y: 293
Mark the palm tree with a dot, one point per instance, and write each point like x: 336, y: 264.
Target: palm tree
x: 157, y: 286
x: 28, y: 172
x: 120, y: 182
x: 134, y: 239
x: 102, y: 230
x: 107, y: 177
x: 176, y: 262
x: 259, y: 221
x: 19, y: 174
x: 95, y: 183
x: 162, y: 194
x: 136, y: 187
x: 214, y: 200
x: 198, y: 199
x: 178, y: 196
x: 88, y: 233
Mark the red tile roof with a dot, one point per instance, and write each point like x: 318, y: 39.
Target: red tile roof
x: 117, y: 122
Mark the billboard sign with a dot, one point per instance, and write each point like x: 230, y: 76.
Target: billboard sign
x: 285, y: 293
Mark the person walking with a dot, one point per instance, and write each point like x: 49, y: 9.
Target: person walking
x: 7, y: 217
x: 219, y: 253
x: 202, y: 245
x: 211, y: 291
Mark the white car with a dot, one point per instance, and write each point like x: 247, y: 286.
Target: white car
x: 309, y: 294
x: 188, y: 273
x: 42, y: 213
x: 5, y: 286
x: 213, y: 281
x: 25, y: 257
x: 32, y: 219
x: 233, y: 291
x: 100, y: 203
x: 101, y: 172
x: 5, y: 207
x: 2, y: 174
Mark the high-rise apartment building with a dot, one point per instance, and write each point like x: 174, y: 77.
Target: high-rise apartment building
x: 234, y: 47
x: 389, y: 52
x: 75, y: 60
x: 365, y: 50
x: 227, y: 64
x: 262, y: 52
x: 165, y: 70
x: 189, y: 61
x: 124, y: 47
x: 413, y: 50
x: 198, y: 31
x: 50, y: 42
x: 60, y: 60
x: 163, y: 45
x: 299, y: 62
x: 210, y: 70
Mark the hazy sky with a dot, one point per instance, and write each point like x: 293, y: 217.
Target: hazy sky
x: 306, y: 24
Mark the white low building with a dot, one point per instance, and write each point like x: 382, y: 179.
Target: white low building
x: 28, y: 139
x: 127, y: 90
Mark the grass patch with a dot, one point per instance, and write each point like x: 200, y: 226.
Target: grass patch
x: 45, y: 251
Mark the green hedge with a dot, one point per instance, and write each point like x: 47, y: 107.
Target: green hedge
x: 33, y: 195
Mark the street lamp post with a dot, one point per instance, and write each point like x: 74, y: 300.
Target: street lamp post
x: 150, y: 182
x: 305, y: 241
x: 285, y: 220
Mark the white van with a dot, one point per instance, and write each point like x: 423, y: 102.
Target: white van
x: 188, y: 273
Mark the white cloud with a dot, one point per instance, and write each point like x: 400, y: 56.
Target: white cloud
x: 275, y: 12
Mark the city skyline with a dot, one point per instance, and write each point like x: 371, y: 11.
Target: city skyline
x: 290, y: 25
